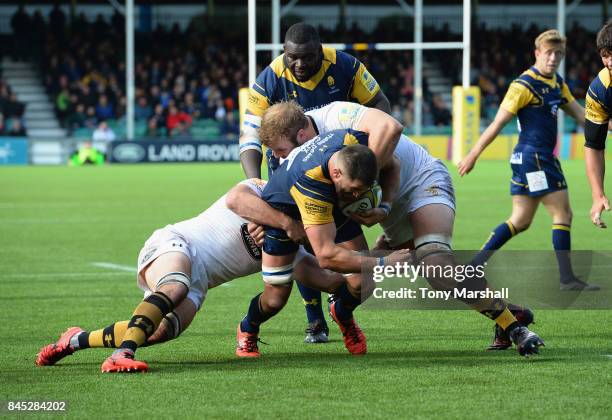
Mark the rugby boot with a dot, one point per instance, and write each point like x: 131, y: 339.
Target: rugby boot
x: 54, y: 352
x: 354, y: 338
x: 502, y: 341
x: 122, y: 361
x: 317, y: 332
x: 246, y: 344
x: 527, y: 342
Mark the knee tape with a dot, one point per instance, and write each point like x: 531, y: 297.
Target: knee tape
x: 277, y: 275
x: 176, y: 277
x: 432, y: 244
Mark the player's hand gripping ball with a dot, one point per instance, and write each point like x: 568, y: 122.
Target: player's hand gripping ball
x: 366, y: 201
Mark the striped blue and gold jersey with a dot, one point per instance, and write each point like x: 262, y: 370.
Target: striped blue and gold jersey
x: 598, y: 107
x: 341, y: 78
x: 303, y: 180
x: 535, y: 99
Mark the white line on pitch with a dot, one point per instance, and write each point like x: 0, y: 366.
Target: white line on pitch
x: 35, y: 275
x: 114, y: 266
x: 127, y: 268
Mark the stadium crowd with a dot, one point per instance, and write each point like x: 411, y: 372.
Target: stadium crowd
x: 190, y: 79
x: 11, y: 112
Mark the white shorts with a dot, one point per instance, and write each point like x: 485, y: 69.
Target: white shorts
x: 167, y: 240
x: 432, y: 186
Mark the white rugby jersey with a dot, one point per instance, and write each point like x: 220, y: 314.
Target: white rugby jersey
x: 220, y: 243
x: 413, y: 158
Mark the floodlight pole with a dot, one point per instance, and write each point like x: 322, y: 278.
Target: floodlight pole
x: 561, y: 27
x: 467, y: 42
x: 276, y: 18
x: 129, y: 68
x: 418, y: 67
x: 252, y: 42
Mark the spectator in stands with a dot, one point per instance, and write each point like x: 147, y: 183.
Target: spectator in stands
x: 13, y: 108
x: 157, y: 122
x: 77, y: 119
x: 2, y: 125
x: 104, y: 110
x: 57, y: 21
x: 103, y: 135
x: 191, y: 107
x: 441, y: 114
x: 178, y: 122
x: 20, y: 22
x: 230, y: 128
x: 91, y: 121
x: 17, y: 128
x: 142, y: 109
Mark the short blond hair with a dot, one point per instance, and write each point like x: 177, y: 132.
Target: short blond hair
x: 283, y: 119
x: 552, y: 36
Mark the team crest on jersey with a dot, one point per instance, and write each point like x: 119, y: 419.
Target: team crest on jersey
x: 370, y: 82
x: 433, y: 190
x: 249, y: 243
x: 148, y: 255
x: 330, y: 81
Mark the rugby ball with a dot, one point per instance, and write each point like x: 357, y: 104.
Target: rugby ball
x: 366, y: 201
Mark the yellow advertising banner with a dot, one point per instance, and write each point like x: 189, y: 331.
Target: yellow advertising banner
x: 466, y: 120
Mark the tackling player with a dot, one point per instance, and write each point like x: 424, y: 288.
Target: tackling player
x: 313, y: 76
x: 598, y: 119
x: 308, y: 187
x: 421, y: 214
x: 534, y: 97
x: 177, y: 266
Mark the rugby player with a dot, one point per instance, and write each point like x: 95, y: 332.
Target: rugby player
x: 597, y: 123
x: 313, y: 76
x: 534, y: 97
x: 308, y: 187
x: 420, y: 217
x: 177, y: 266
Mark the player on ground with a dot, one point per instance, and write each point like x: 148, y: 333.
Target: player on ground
x: 421, y: 215
x: 177, y: 266
x: 313, y: 76
x: 598, y: 119
x: 534, y: 97
x: 308, y: 187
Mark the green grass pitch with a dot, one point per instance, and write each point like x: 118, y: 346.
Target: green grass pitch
x: 55, y: 222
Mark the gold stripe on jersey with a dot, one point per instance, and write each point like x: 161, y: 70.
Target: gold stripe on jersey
x: 604, y: 77
x: 317, y: 175
x: 313, y: 211
x: 350, y: 139
x: 258, y: 103
x: 365, y: 87
x: 279, y: 68
x: 517, y: 97
x: 594, y: 111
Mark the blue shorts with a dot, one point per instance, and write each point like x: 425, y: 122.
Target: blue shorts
x: 535, y: 173
x: 276, y: 241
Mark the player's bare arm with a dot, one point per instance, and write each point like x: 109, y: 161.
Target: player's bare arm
x: 502, y: 118
x: 383, y: 131
x: 576, y: 111
x: 250, y: 160
x: 380, y: 101
x: 341, y: 260
x: 594, y: 156
x: 244, y: 202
